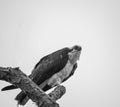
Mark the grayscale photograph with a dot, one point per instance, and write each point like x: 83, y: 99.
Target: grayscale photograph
x: 60, y: 53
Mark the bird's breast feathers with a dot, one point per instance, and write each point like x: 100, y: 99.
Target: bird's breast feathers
x: 57, y: 78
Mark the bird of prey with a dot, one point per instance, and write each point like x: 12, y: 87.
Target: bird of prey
x: 51, y: 70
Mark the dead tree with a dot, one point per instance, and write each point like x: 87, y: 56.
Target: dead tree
x: 16, y: 77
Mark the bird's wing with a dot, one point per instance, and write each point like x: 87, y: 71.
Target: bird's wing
x: 49, y: 65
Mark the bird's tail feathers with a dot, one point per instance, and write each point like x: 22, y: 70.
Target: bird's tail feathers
x: 22, y: 98
x: 10, y: 87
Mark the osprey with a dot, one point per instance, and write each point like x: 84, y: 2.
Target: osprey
x: 51, y: 70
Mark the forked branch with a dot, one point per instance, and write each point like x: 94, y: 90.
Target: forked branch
x: 16, y: 77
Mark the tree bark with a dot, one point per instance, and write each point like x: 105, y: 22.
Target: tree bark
x: 16, y: 77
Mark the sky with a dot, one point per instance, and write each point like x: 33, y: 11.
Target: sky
x: 31, y: 29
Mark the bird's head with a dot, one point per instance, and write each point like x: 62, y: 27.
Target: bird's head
x: 74, y: 54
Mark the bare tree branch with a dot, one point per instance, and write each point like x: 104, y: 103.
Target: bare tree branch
x: 17, y: 77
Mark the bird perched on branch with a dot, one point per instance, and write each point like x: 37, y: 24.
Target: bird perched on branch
x: 51, y: 70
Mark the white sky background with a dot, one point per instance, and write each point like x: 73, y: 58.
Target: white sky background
x: 30, y: 30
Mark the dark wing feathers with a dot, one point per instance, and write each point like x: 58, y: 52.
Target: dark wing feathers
x: 49, y: 65
x: 9, y: 87
x: 42, y: 59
